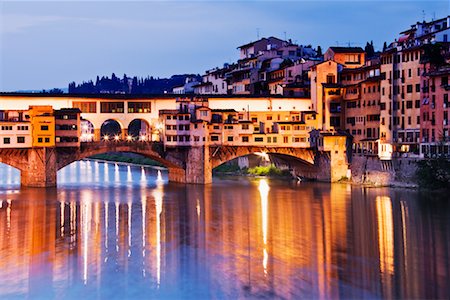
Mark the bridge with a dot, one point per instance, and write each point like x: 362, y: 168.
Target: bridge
x: 185, y: 164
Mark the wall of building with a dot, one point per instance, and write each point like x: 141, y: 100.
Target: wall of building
x: 17, y: 133
x: 372, y: 170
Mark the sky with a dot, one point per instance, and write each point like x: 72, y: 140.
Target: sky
x: 49, y: 44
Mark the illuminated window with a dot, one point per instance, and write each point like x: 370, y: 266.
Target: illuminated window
x: 139, y: 107
x: 85, y: 107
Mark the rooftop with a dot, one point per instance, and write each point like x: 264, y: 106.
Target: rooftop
x: 347, y: 49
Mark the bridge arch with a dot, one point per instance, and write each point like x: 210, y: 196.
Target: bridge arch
x: 223, y: 154
x: 90, y: 149
x: 111, y: 128
x: 87, y: 131
x: 16, y: 158
x: 140, y: 129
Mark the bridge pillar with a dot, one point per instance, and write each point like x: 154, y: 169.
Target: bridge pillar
x: 97, y: 136
x: 177, y: 175
x: 41, y: 169
x: 124, y: 133
x: 198, y: 165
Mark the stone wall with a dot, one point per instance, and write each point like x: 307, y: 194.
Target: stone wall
x: 372, y: 170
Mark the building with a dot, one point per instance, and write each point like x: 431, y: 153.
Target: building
x: 402, y: 72
x: 67, y: 127
x: 213, y: 82
x: 42, y: 126
x: 15, y: 129
x: 346, y: 96
x: 194, y: 123
x: 435, y: 127
x: 350, y: 57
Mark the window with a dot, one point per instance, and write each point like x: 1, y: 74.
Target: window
x: 203, y: 113
x: 330, y: 79
x: 230, y: 138
x: 259, y: 139
x: 20, y: 139
x: 214, y: 138
x: 39, y: 140
x: 85, y: 107
x: 245, y: 127
x: 186, y: 117
x: 285, y: 139
x: 409, y: 104
x: 44, y: 127
x: 409, y: 73
x: 169, y: 117
x: 417, y: 104
x: 6, y: 127
x: 409, y: 88
x: 418, y: 88
x: 47, y: 140
x: 269, y: 117
x: 139, y: 107
x: 6, y: 140
x: 111, y: 107
x: 245, y: 139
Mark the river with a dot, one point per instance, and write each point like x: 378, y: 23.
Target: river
x: 116, y: 231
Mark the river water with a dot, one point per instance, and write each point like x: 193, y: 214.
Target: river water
x: 115, y: 231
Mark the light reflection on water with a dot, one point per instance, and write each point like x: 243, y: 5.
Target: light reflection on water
x: 118, y: 231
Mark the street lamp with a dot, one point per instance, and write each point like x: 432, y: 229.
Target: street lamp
x: 116, y: 137
x: 105, y: 137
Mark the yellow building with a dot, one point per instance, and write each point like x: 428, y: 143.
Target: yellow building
x: 42, y: 126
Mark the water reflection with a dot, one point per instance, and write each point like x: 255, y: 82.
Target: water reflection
x: 235, y: 238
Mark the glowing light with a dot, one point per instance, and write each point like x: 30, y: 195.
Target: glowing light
x: 116, y: 137
x: 263, y: 155
x: 129, y: 228
x: 142, y: 138
x: 116, y: 173
x: 61, y: 208
x: 264, y: 194
x: 159, y: 177
x: 105, y: 137
x: 385, y: 234
x: 198, y: 208
x: 129, y: 179
x: 106, y: 228
x: 129, y: 138
x: 143, y: 176
x: 158, y: 195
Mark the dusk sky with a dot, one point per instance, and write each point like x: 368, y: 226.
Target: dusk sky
x: 49, y: 44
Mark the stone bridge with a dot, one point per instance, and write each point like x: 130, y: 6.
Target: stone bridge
x: 192, y: 164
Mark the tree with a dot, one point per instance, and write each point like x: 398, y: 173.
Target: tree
x: 369, y: 49
x: 319, y: 51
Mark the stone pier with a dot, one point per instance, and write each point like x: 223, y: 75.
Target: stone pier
x: 198, y: 165
x: 41, y: 168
